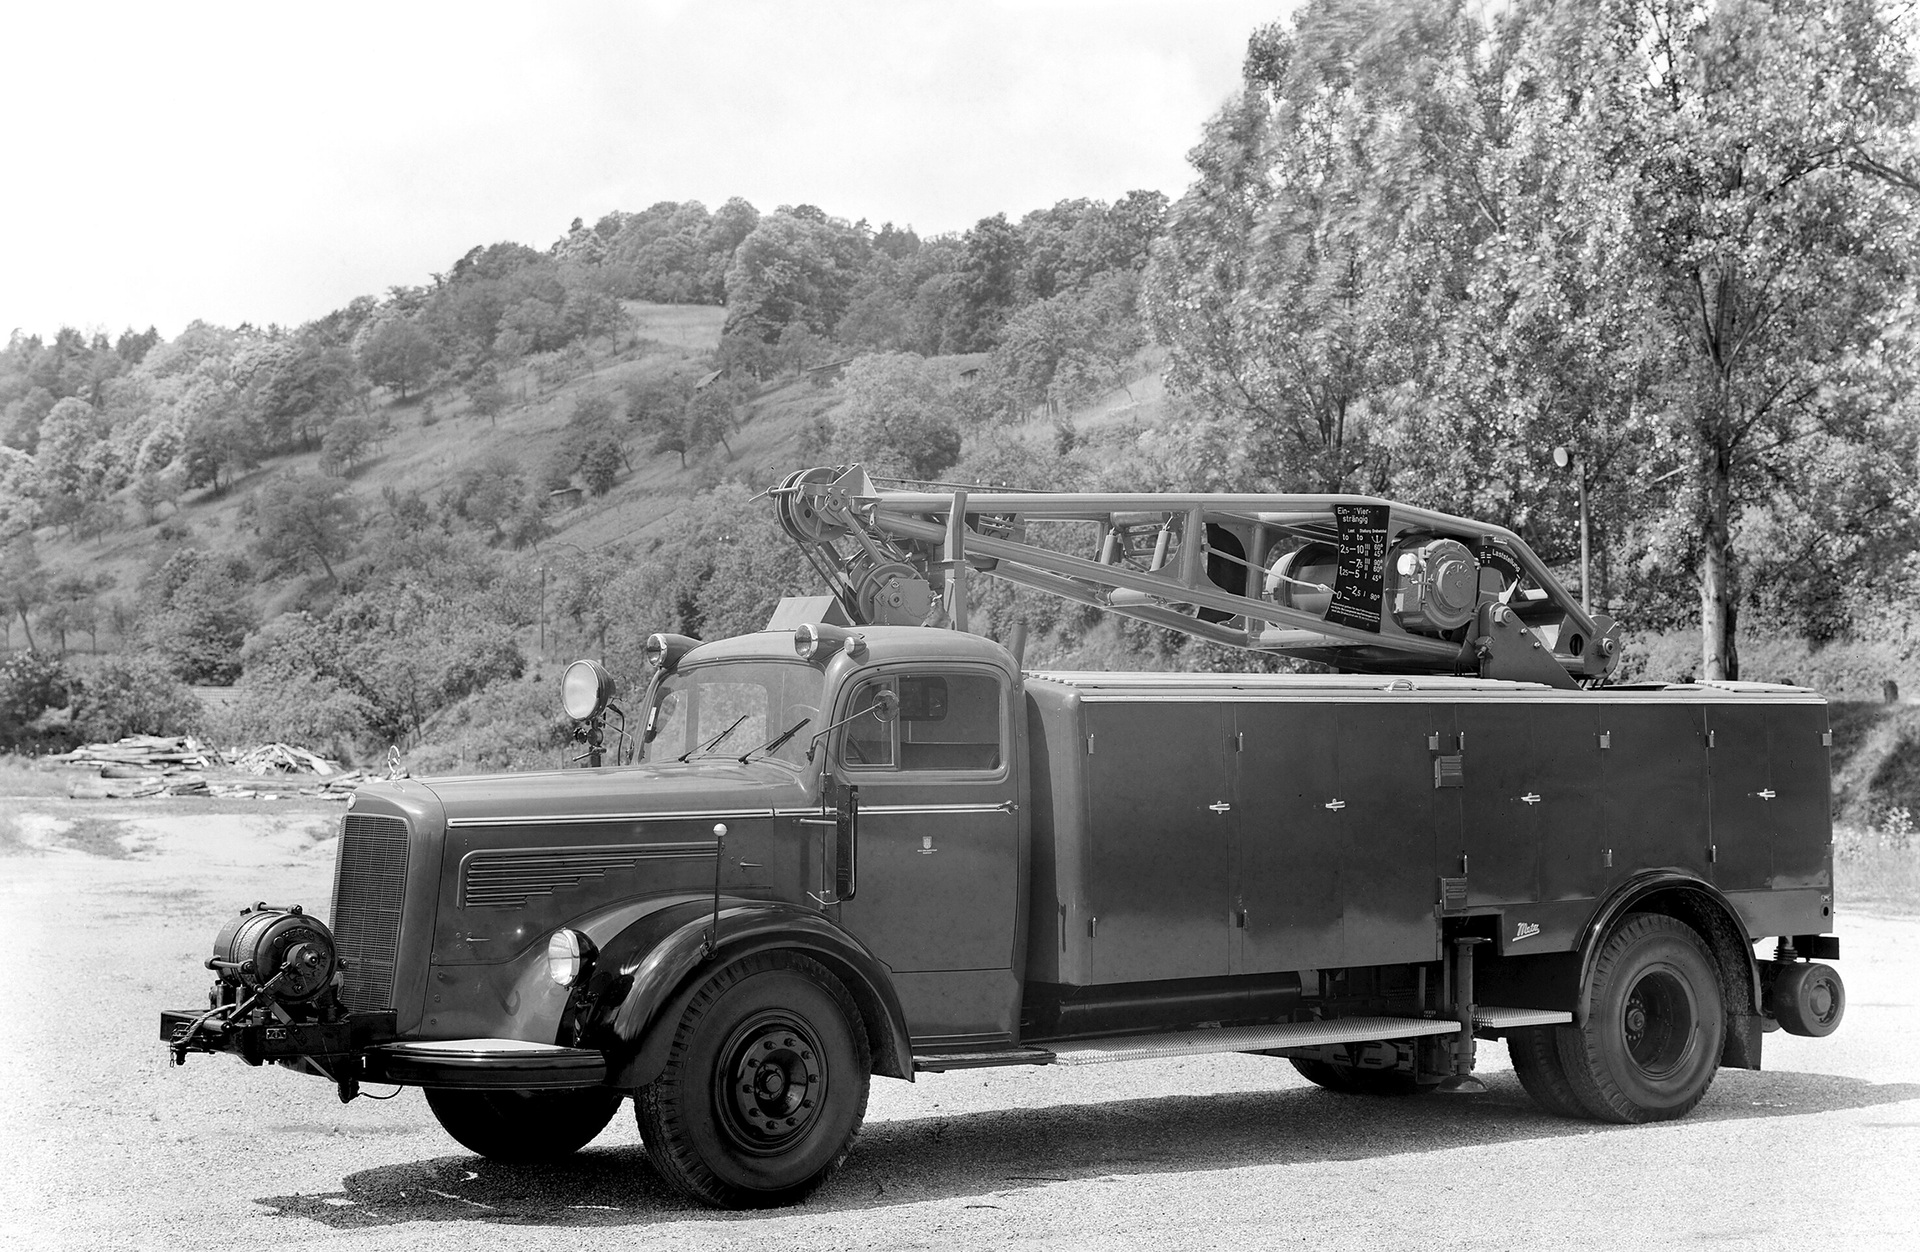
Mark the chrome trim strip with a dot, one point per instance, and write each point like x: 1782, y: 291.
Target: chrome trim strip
x: 869, y: 809
x: 580, y: 819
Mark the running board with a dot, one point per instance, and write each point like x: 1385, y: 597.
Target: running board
x: 1249, y: 1039
x: 1237, y: 1039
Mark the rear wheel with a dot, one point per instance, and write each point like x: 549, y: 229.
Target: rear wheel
x: 1655, y: 1025
x: 765, y: 1085
x: 1535, y: 1052
x: 524, y: 1125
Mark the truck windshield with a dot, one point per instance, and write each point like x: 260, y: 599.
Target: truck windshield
x: 764, y: 698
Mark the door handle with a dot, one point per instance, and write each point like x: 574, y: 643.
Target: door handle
x: 1530, y: 798
x: 1220, y: 806
x: 1336, y: 805
x: 1767, y: 794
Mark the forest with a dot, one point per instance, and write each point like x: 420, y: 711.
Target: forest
x: 1425, y: 243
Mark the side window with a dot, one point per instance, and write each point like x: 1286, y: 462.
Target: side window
x: 946, y: 722
x: 869, y: 741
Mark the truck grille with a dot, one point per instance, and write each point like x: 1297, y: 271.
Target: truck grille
x: 369, y: 884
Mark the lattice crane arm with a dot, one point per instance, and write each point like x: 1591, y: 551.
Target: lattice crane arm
x: 1356, y: 582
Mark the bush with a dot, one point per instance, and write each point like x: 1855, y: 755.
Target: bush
x: 512, y: 724
x: 308, y: 710
x: 30, y: 684
x: 133, y: 696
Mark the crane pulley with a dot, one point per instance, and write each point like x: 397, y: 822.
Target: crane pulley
x: 1354, y: 582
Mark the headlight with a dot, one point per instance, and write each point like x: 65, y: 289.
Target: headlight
x: 569, y: 957
x: 585, y: 689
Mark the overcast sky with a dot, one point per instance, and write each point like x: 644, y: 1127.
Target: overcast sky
x: 268, y: 162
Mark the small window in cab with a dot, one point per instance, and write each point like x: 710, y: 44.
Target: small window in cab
x: 948, y: 721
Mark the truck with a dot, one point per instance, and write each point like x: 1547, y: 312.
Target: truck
x: 865, y: 841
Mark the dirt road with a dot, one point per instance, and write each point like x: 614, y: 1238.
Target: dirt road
x: 102, y: 1146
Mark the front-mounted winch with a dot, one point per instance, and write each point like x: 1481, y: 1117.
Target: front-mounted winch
x: 275, y: 996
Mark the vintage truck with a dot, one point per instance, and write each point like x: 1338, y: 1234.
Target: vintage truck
x: 863, y: 841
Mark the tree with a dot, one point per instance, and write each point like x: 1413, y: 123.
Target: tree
x: 23, y: 581
x: 347, y: 443
x: 897, y: 417
x: 1769, y: 152
x: 398, y: 354
x: 295, y: 518
x: 195, y: 615
x: 485, y: 395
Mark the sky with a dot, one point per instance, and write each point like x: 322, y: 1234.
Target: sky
x: 266, y: 163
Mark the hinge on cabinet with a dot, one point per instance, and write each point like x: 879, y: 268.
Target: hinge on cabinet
x: 1709, y: 739
x: 1089, y: 744
x: 1606, y: 739
x: 1093, y: 928
x: 1826, y: 739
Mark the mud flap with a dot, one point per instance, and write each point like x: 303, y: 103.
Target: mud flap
x: 1742, y: 1048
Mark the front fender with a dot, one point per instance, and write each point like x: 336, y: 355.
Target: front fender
x: 650, y: 970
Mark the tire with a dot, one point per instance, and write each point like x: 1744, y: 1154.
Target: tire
x: 1808, y: 1000
x: 1654, y: 1028
x: 764, y: 1088
x: 1326, y: 1074
x: 524, y: 1125
x: 1348, y: 1080
x: 1535, y: 1052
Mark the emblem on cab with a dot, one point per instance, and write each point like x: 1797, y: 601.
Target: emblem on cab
x: 926, y: 845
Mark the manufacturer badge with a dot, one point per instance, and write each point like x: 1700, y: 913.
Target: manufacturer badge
x: 1525, y: 930
x: 926, y: 845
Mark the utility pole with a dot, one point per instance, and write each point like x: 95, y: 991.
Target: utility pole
x: 1566, y: 458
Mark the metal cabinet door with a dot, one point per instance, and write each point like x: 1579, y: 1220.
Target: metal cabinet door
x: 1386, y: 783
x: 1160, y: 826
x: 1289, y: 844
x: 1802, y: 812
x: 1499, y: 799
x: 1742, y: 796
x: 1567, y: 776
x: 1656, y: 796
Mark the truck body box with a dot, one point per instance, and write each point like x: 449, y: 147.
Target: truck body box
x: 1202, y: 826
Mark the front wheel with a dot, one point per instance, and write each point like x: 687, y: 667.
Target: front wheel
x: 524, y: 1125
x: 765, y: 1085
x: 1654, y: 1028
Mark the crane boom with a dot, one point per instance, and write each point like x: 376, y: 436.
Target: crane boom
x: 1355, y: 582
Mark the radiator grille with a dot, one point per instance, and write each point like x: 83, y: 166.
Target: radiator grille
x: 369, y: 885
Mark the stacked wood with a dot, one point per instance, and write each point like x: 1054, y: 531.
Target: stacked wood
x: 143, y: 752
x: 155, y: 765
x: 282, y: 758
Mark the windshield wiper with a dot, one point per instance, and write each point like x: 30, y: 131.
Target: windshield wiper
x: 709, y: 744
x: 773, y: 745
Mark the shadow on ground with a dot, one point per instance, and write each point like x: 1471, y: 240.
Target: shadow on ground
x: 979, y: 1154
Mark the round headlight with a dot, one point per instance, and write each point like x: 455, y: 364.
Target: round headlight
x: 569, y: 956
x: 585, y: 689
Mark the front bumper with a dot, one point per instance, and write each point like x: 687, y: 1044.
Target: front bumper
x: 362, y: 1048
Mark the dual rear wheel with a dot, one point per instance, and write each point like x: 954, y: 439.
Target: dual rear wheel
x: 1653, y: 1036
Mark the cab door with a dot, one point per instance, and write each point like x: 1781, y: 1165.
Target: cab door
x: 936, y: 846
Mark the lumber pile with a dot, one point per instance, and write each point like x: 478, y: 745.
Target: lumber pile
x: 157, y: 765
x: 281, y: 758
x: 147, y: 753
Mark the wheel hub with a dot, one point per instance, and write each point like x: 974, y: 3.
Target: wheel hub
x: 1659, y: 1022
x: 775, y: 1082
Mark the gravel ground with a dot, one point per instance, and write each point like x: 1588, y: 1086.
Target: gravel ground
x: 102, y: 1146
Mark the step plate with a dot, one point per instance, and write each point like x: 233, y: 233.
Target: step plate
x: 1249, y: 1039
x: 1485, y: 1018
